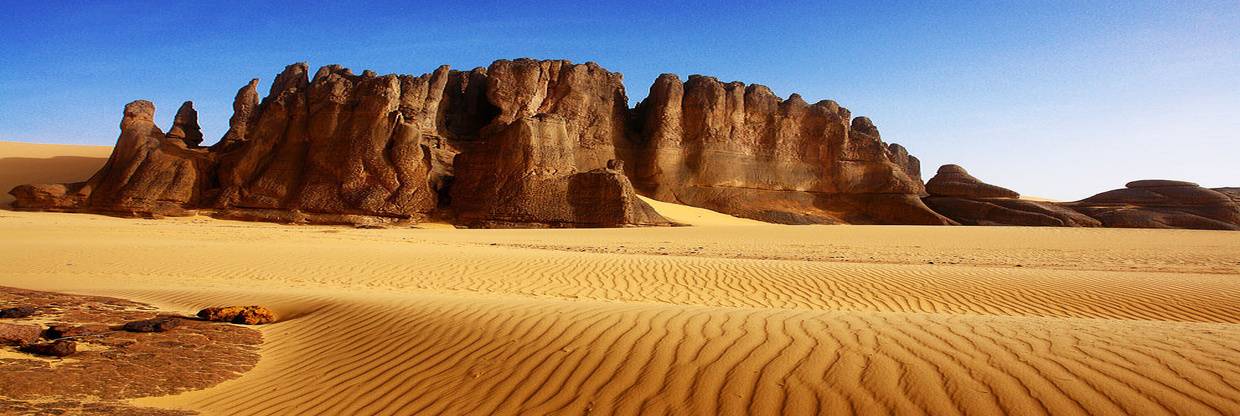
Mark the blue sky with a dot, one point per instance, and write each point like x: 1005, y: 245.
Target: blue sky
x: 1056, y: 99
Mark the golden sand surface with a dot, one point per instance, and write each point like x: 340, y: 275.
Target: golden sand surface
x: 727, y: 317
x: 23, y: 163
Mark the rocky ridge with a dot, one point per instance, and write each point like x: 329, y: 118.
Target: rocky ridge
x: 522, y: 142
x: 1141, y: 204
x: 550, y: 143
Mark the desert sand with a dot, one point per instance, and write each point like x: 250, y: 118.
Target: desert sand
x: 23, y: 163
x: 724, y: 317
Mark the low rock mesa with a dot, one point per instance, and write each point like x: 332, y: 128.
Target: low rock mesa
x: 1152, y: 203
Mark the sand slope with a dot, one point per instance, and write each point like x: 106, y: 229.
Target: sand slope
x: 721, y: 319
x: 23, y: 163
x: 469, y: 322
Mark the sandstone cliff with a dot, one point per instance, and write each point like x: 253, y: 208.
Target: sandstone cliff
x: 554, y: 144
x: 337, y: 147
x: 744, y: 151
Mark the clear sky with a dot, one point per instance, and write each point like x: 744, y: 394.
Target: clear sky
x: 1055, y: 99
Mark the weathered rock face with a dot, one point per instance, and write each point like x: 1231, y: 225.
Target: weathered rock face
x: 335, y: 145
x: 1163, y: 204
x: 148, y: 173
x: 185, y: 126
x: 543, y: 160
x: 741, y: 150
x: 540, y: 144
x: 527, y: 175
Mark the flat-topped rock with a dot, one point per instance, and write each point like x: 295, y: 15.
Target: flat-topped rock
x: 1156, y: 183
x: 1163, y: 204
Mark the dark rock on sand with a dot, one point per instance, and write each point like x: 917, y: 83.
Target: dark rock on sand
x: 58, y: 348
x: 245, y: 315
x: 162, y: 324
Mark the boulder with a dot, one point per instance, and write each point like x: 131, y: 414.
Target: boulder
x: 58, y: 331
x: 11, y: 334
x: 161, y: 324
x: 244, y: 315
x: 18, y: 312
x: 741, y: 150
x: 58, y: 348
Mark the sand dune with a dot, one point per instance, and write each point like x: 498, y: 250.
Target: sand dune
x: 429, y: 321
x: 715, y: 319
x: 23, y: 163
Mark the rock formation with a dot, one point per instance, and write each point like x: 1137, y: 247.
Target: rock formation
x: 1142, y: 204
x: 13, y: 334
x: 344, y: 148
x: 185, y: 126
x: 543, y: 159
x: 243, y: 315
x: 149, y: 173
x: 337, y: 145
x: 531, y: 143
x: 960, y: 196
x: 742, y: 150
x: 1163, y: 204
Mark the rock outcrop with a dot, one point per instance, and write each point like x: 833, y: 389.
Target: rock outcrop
x: 529, y: 143
x: 960, y: 196
x: 1163, y: 204
x: 742, y: 150
x: 1153, y: 203
x: 548, y: 157
x: 148, y: 173
x: 327, y: 148
x: 345, y: 148
x: 12, y: 334
x: 185, y: 126
x: 527, y: 176
x: 109, y: 366
x: 243, y: 315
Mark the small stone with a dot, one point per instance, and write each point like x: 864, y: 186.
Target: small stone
x: 58, y: 348
x: 152, y: 325
x: 18, y: 312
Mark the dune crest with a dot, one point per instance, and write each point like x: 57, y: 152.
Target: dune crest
x: 695, y: 320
